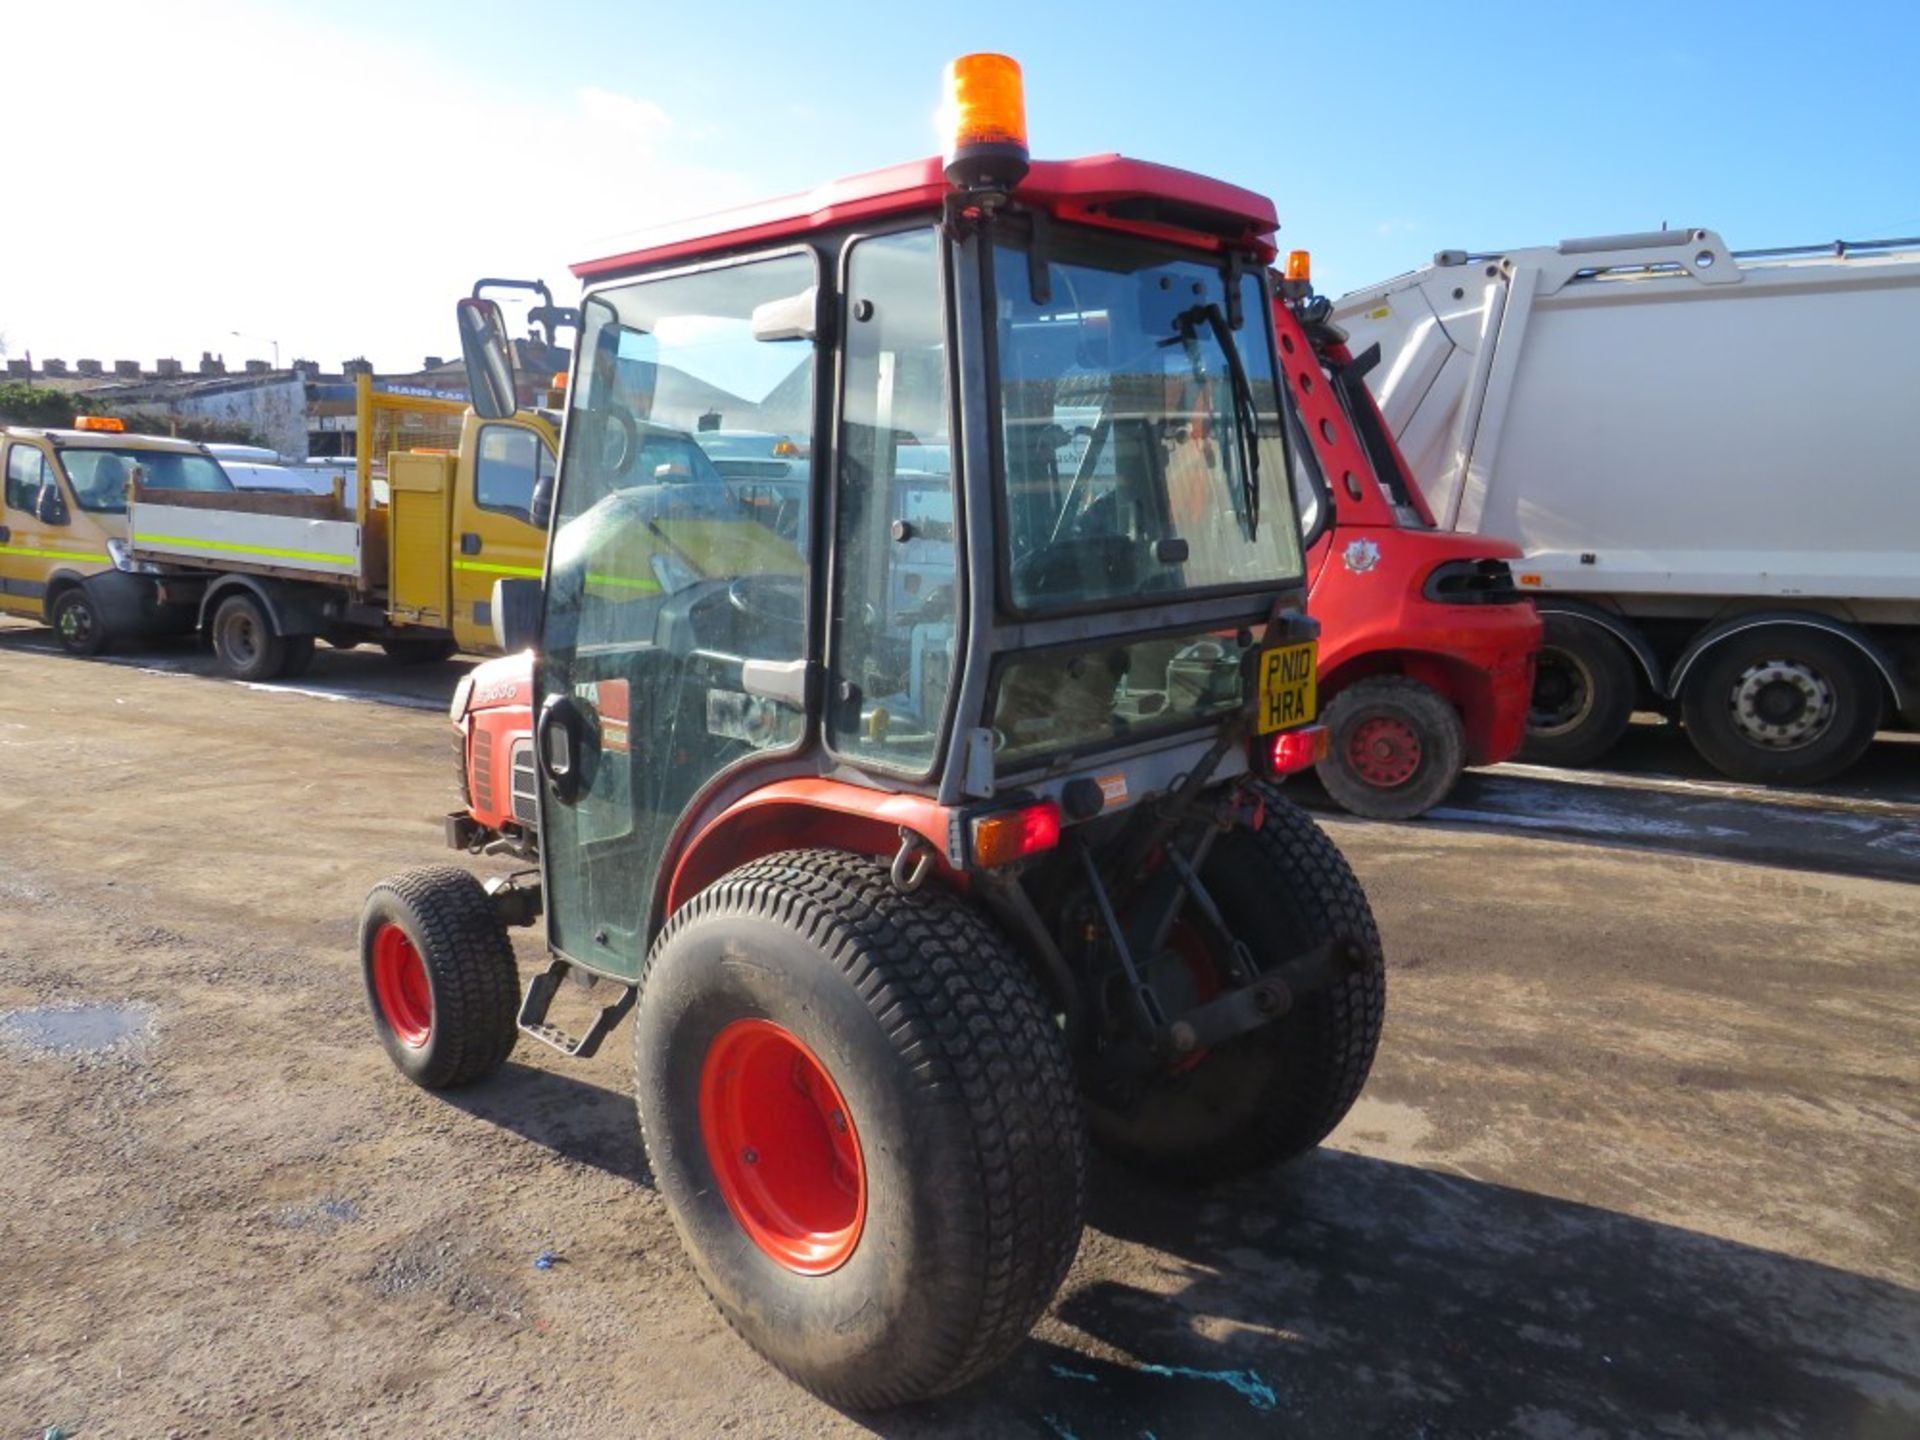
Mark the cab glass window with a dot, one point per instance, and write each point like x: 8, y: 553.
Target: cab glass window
x: 509, y: 462
x: 27, y: 472
x: 894, y: 601
x: 101, y: 477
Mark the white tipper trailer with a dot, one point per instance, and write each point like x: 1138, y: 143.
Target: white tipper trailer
x: 1711, y: 460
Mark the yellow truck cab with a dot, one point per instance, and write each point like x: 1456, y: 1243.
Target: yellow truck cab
x: 64, y: 555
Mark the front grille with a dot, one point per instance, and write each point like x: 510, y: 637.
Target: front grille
x: 1472, y: 582
x: 460, y: 767
x: 482, y: 770
x: 526, y: 807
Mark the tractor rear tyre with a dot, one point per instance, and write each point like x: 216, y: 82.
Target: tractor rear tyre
x: 1584, y: 689
x: 1276, y: 1092
x: 419, y: 652
x: 1396, y: 748
x: 77, y: 624
x: 440, y: 976
x: 244, y: 641
x: 863, y: 1120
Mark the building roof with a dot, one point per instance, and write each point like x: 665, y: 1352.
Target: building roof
x: 1109, y: 190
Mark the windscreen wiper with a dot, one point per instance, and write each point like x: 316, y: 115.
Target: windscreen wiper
x: 1246, y: 505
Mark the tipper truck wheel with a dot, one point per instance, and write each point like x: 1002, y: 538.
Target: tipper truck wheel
x: 245, y: 644
x: 1276, y: 1092
x: 864, y: 1122
x: 1584, y: 688
x: 77, y: 624
x: 1782, y: 705
x: 1396, y: 748
x: 440, y: 976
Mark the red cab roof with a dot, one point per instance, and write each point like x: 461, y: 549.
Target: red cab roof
x: 1110, y: 190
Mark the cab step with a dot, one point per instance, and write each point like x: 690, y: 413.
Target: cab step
x: 533, y: 1014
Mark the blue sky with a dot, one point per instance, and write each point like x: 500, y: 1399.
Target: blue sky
x: 366, y: 159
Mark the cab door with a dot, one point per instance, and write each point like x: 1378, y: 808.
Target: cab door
x: 29, y: 546
x: 502, y: 462
x: 675, y: 647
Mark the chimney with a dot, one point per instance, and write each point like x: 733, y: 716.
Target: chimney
x: 19, y: 369
x: 307, y: 369
x: 89, y: 367
x: 356, y: 367
x: 168, y: 369
x: 127, y: 369
x: 259, y: 367
x: 53, y: 367
x: 433, y: 362
x: 210, y: 366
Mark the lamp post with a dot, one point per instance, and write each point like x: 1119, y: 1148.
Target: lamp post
x: 274, y: 343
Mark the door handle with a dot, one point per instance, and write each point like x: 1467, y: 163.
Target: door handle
x: 557, y: 749
x: 469, y: 543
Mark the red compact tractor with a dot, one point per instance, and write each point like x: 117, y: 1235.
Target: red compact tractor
x: 933, y: 833
x: 1427, y: 646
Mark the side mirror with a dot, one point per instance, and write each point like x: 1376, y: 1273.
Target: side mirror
x: 50, y: 507
x: 489, y: 356
x: 516, y: 614
x: 540, y: 506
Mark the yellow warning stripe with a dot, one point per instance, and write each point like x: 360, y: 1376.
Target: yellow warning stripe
x: 529, y: 572
x: 233, y: 547
x: 622, y: 582
x: 52, y: 554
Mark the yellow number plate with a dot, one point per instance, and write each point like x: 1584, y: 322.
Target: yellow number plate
x: 1287, y: 693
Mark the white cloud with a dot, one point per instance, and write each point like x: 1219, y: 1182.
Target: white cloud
x: 229, y: 169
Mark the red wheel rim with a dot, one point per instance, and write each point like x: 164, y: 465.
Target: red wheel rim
x: 783, y: 1147
x: 400, y: 985
x: 1384, y: 751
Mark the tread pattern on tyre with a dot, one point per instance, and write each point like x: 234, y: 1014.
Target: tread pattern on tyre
x: 475, y: 980
x: 1316, y: 876
x: 959, y: 1005
x: 1443, y: 744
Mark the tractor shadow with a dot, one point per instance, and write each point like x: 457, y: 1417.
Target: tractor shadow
x: 1352, y: 1296
x: 574, y: 1118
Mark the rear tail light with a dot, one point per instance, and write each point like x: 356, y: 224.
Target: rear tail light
x: 1009, y: 835
x: 1293, y: 750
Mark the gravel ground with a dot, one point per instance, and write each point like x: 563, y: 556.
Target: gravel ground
x: 1641, y: 1153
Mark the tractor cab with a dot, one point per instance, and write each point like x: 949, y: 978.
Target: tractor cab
x: 933, y: 825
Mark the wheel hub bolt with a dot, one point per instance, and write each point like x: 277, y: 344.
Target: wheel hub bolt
x: 751, y: 1156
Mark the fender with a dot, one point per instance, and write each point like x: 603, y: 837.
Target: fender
x: 799, y: 813
x: 57, y: 581
x: 288, y: 611
x: 1904, y: 698
x: 1615, y: 626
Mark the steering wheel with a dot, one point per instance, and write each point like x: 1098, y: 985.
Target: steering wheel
x: 617, y: 462
x: 770, y: 600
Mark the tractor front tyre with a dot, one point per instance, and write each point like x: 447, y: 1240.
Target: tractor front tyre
x: 1396, y: 748
x: 1276, y: 1092
x: 440, y: 976
x: 864, y: 1122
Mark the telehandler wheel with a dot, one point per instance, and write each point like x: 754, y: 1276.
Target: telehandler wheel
x: 440, y: 976
x: 1276, y: 1092
x: 419, y: 652
x: 244, y: 641
x: 1584, y: 689
x: 1782, y: 705
x: 77, y: 625
x: 864, y: 1122
x: 1396, y: 748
